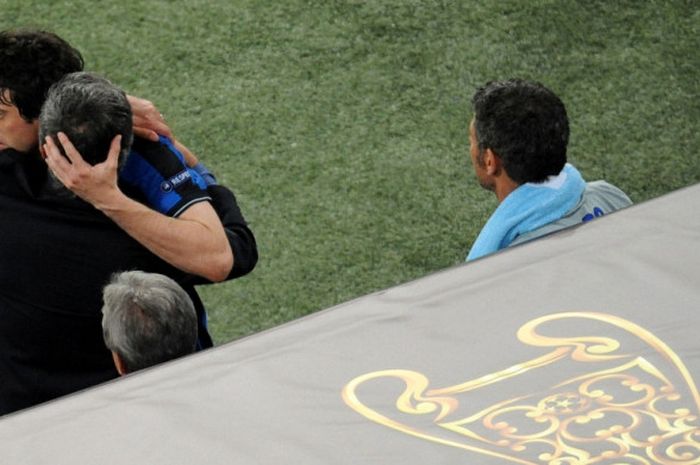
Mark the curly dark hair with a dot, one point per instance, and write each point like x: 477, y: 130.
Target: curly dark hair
x: 30, y: 62
x: 525, y: 124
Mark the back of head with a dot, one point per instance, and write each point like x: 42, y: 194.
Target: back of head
x: 30, y: 62
x: 91, y: 111
x: 147, y: 319
x: 525, y: 124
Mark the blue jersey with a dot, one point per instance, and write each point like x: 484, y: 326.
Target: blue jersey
x: 158, y: 172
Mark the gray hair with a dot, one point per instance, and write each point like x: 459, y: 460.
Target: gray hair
x: 91, y: 111
x: 147, y: 318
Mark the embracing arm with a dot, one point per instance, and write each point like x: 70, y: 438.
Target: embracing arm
x: 194, y: 242
x: 239, y: 235
x: 148, y: 123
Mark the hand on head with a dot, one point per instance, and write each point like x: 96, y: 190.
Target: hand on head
x: 94, y: 184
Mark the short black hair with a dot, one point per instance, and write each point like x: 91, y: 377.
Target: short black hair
x: 30, y: 62
x: 525, y: 124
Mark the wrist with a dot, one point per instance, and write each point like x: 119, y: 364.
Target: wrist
x: 110, y: 201
x: 207, y: 175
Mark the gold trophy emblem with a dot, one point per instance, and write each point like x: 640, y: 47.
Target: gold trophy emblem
x: 626, y: 398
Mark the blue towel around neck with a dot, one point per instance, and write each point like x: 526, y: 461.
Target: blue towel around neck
x: 527, y: 208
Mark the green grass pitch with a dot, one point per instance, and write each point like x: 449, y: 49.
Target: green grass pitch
x: 341, y: 125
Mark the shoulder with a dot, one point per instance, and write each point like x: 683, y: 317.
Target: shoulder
x: 599, y: 198
x: 604, y: 192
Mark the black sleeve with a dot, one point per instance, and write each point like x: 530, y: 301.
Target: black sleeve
x: 239, y: 235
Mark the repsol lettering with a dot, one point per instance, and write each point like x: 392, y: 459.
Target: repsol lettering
x: 175, y: 181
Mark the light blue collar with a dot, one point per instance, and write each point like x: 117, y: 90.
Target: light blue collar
x: 527, y: 208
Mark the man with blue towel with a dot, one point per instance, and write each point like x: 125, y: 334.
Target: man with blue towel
x: 518, y: 139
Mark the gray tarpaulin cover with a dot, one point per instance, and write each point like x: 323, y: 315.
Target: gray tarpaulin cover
x: 581, y: 348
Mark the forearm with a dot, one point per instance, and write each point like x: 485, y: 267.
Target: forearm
x: 195, y: 242
x: 240, y: 237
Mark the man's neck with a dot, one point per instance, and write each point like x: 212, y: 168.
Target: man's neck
x: 503, y: 187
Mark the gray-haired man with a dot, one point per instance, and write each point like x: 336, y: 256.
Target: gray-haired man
x: 147, y: 319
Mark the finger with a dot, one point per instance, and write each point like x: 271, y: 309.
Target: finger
x: 115, y: 149
x: 70, y: 151
x: 154, y: 123
x: 163, y: 129
x: 54, y: 160
x: 53, y: 154
x: 49, y: 148
x: 137, y: 103
x: 145, y: 133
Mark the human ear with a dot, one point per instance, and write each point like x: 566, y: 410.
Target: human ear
x: 119, y: 364
x: 492, y: 162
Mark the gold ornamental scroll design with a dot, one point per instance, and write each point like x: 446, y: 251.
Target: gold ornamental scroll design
x: 619, y: 407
